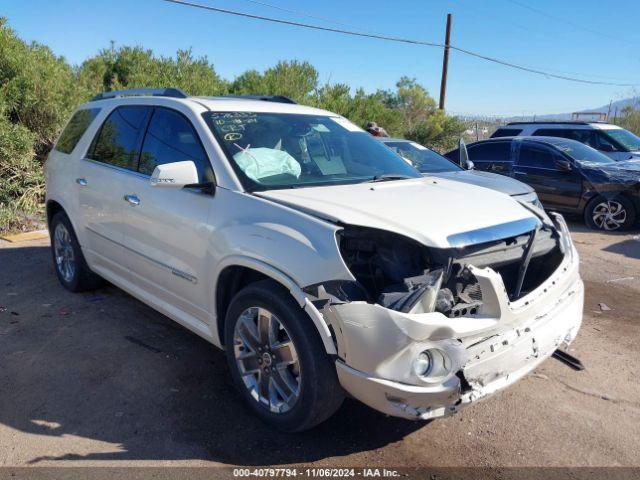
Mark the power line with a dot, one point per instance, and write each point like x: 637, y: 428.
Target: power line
x: 528, y: 29
x: 511, y: 23
x: 399, y: 40
x: 305, y: 25
x: 564, y: 20
x: 304, y: 14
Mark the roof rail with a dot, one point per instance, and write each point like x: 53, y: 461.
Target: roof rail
x: 556, y: 122
x: 155, y: 92
x: 264, y: 98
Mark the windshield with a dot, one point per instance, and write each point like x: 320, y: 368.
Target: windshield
x: 581, y: 153
x: 278, y: 150
x: 624, y: 137
x: 424, y: 159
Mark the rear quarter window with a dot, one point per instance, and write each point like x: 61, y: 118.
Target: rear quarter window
x: 506, y: 132
x: 572, y: 133
x: 74, y: 130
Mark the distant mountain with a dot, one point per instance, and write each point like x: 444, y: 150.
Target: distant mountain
x: 619, y: 105
x: 616, y: 107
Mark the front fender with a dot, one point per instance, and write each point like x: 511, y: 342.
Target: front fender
x: 286, y: 281
x: 294, y: 248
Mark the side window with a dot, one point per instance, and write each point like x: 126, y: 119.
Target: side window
x: 536, y: 156
x: 578, y: 134
x: 117, y: 141
x: 74, y: 130
x: 171, y: 138
x: 593, y: 138
x: 551, y: 132
x: 602, y: 142
x: 491, y: 152
x: 506, y: 132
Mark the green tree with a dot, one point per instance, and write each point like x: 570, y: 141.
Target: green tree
x: 630, y: 119
x: 248, y: 83
x: 296, y: 80
x: 21, y: 177
x: 135, y: 67
x: 37, y: 88
x: 37, y: 94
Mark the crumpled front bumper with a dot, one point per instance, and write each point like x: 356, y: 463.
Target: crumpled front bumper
x: 376, y: 346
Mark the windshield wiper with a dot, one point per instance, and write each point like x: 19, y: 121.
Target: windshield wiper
x: 388, y: 176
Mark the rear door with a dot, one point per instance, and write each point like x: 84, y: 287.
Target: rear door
x: 536, y: 165
x: 166, y: 234
x: 110, y: 160
x: 492, y: 156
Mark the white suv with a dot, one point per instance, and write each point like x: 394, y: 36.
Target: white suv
x: 612, y: 140
x: 316, y: 257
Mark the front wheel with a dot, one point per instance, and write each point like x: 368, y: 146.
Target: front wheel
x: 613, y: 214
x: 277, y: 359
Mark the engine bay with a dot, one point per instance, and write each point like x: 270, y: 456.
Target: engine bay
x: 401, y: 274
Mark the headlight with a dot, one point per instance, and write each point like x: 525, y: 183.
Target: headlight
x: 536, y: 203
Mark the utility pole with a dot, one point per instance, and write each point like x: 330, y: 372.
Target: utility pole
x: 445, y: 62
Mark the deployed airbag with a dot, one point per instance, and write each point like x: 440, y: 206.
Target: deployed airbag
x: 259, y: 163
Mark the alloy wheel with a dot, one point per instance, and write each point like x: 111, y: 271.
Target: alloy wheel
x: 609, y: 215
x: 267, y: 359
x: 63, y: 249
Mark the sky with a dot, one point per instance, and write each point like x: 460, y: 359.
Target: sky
x: 590, y: 39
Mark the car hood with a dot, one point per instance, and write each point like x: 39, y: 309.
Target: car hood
x: 503, y: 184
x: 626, y: 172
x: 435, y: 212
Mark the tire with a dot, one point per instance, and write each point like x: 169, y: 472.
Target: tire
x: 610, y: 214
x: 311, y: 384
x: 68, y: 261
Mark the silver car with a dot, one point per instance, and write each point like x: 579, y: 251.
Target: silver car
x: 429, y: 162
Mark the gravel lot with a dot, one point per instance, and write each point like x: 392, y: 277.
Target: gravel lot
x: 101, y: 379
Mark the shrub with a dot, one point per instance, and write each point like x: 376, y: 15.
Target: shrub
x: 21, y: 177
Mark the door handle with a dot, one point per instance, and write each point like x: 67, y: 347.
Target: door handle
x: 520, y: 173
x: 132, y: 199
x: 81, y: 181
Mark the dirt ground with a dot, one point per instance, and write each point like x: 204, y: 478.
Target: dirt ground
x: 101, y: 379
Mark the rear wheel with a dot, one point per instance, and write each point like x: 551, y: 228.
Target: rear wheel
x: 68, y: 261
x: 277, y: 359
x: 613, y: 214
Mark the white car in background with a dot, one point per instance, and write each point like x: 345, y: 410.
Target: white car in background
x: 317, y: 258
x: 614, y: 141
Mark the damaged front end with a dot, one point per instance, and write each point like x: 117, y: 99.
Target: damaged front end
x: 422, y: 330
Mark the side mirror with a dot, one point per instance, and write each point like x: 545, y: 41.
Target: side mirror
x: 175, y: 175
x: 470, y: 165
x: 563, y: 165
x: 463, y: 160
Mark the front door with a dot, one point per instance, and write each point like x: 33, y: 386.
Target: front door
x: 536, y: 165
x: 166, y: 235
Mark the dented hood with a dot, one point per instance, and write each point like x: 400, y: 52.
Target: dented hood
x: 501, y: 183
x: 436, y: 212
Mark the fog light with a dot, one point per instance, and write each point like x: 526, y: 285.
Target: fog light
x: 432, y: 364
x: 422, y: 364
